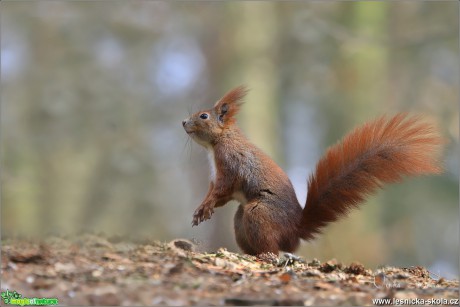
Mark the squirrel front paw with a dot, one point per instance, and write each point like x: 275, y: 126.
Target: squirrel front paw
x: 201, y: 214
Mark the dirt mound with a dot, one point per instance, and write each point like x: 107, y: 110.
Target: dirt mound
x: 92, y: 270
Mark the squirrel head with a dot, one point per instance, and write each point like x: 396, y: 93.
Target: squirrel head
x: 205, y: 126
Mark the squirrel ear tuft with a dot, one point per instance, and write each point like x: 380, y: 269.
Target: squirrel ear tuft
x: 230, y: 103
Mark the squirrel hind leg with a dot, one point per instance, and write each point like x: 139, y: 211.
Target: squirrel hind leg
x: 259, y: 231
x: 240, y: 233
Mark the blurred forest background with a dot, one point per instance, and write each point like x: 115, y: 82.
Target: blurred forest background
x: 93, y: 95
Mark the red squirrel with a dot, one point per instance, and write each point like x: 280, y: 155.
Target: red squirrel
x: 269, y: 217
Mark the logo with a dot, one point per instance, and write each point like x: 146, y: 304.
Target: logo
x: 14, y: 298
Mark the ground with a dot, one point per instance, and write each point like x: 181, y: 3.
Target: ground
x: 92, y: 270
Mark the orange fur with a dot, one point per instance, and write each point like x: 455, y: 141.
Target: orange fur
x: 379, y: 152
x: 233, y: 100
x: 270, y: 218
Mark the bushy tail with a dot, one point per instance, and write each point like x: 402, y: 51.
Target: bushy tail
x: 379, y: 152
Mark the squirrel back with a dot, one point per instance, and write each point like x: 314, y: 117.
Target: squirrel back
x: 269, y: 218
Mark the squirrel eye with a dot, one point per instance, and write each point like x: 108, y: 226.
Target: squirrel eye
x: 204, y: 116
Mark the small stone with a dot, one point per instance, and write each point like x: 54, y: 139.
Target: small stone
x: 220, y: 262
x: 182, y: 244
x: 440, y: 280
x: 64, y: 268
x: 313, y: 272
x: 96, y: 273
x: 224, y: 264
x: 121, y: 268
x: 30, y: 279
x: 314, y: 263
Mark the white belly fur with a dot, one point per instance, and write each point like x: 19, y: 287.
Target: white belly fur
x: 239, y: 196
x: 212, y: 164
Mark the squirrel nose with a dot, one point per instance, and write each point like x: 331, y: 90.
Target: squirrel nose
x: 184, y: 122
